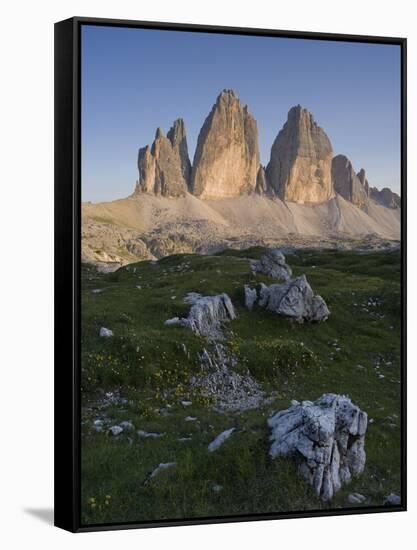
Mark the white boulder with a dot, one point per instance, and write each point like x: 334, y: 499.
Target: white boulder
x: 220, y: 439
x: 106, y: 332
x: 326, y: 437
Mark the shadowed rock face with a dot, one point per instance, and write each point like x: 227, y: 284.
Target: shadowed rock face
x: 226, y: 161
x: 301, y: 156
x: 362, y: 178
x: 261, y: 186
x: 386, y: 197
x: 165, y: 168
x: 347, y: 183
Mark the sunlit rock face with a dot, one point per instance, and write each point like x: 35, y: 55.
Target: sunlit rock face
x: 226, y: 161
x: 299, y: 169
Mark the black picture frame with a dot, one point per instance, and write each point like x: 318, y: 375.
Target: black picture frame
x: 68, y: 258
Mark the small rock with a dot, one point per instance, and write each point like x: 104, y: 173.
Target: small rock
x: 127, y: 425
x: 97, y: 290
x: 190, y: 418
x: 392, y: 500
x: 220, y: 439
x: 162, y: 466
x: 115, y: 430
x: 186, y: 403
x: 152, y: 435
x: 139, y: 287
x: 356, y: 498
x: 273, y: 264
x: 216, y: 488
x: 182, y: 439
x: 294, y: 299
x: 173, y: 321
x: 106, y: 332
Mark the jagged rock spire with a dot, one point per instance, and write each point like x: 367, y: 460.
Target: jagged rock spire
x: 165, y: 168
x: 347, y: 183
x: 226, y: 160
x: 300, y: 166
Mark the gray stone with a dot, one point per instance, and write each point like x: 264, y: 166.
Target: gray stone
x: 392, y: 500
x: 162, y: 466
x: 327, y: 438
x: 106, y: 332
x: 356, y: 498
x: 273, y: 264
x: 250, y: 297
x: 115, y: 430
x: 127, y: 425
x: 149, y: 435
x: 294, y: 299
x: 299, y: 169
x: 220, y: 439
x: 207, y: 314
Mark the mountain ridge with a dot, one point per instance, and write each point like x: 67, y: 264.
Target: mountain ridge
x: 305, y: 196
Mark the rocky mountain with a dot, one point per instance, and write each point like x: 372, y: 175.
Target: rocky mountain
x: 165, y: 168
x: 386, y: 197
x: 301, y: 157
x: 226, y: 160
x: 304, y: 197
x: 347, y: 183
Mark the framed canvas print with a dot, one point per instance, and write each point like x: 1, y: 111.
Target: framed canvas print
x: 230, y: 274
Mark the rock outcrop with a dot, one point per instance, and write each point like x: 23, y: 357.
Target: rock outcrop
x: 347, y: 183
x: 294, y: 299
x: 226, y: 160
x: 326, y: 437
x: 165, y: 168
x: 386, y: 197
x: 273, y: 264
x: 207, y: 314
x: 250, y: 297
x: 301, y: 156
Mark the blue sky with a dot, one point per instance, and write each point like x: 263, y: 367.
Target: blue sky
x: 134, y: 80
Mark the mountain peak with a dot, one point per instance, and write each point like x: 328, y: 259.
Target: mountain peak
x: 165, y: 168
x: 226, y: 159
x: 300, y: 166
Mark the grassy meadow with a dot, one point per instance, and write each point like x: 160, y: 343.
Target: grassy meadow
x: 142, y: 375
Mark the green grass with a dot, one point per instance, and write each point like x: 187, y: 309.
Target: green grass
x: 148, y: 364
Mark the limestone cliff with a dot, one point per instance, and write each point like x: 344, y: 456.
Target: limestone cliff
x: 299, y: 169
x: 226, y: 160
x: 347, y: 183
x: 165, y: 168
